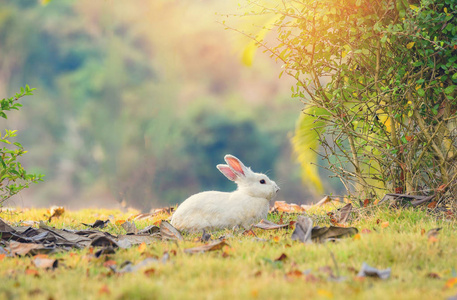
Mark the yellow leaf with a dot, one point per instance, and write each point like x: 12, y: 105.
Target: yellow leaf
x: 410, y: 45
x: 445, y: 9
x: 413, y: 7
x: 451, y: 283
x: 356, y: 237
x: 343, y: 54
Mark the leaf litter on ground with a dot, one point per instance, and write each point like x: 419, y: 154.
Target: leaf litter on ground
x: 306, y: 233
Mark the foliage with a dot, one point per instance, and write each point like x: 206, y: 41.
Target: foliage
x: 13, y: 177
x: 383, y: 72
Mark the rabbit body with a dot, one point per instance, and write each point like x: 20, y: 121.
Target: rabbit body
x: 214, y: 210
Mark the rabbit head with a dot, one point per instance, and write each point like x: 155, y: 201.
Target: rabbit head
x: 253, y: 184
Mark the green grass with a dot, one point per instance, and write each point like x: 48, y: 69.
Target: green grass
x: 247, y: 268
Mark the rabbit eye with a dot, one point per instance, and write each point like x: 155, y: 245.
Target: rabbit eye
x: 262, y: 181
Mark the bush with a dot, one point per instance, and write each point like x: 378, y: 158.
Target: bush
x: 378, y: 79
x: 13, y: 177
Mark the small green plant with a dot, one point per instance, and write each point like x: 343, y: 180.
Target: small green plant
x: 13, y: 177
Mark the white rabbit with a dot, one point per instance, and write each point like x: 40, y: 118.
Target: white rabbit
x: 214, y: 210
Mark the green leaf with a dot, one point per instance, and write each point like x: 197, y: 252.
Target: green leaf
x: 449, y: 89
x: 421, y: 92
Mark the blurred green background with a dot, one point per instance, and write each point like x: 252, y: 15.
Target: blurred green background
x: 138, y: 101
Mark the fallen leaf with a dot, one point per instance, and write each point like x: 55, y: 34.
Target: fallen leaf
x: 45, y: 263
x: 294, y: 274
x: 109, y: 263
x: 451, y: 283
x: 422, y: 231
x: 55, y: 212
x: 345, y: 212
x: 282, y: 206
x: 130, y: 227
x: 356, y: 236
x: 120, y: 222
x: 104, y: 290
x: 217, y: 245
x: 249, y: 232
x: 303, y: 229
x: 433, y: 232
x: 432, y: 204
x: 17, y: 248
x: 142, y: 247
x: 149, y: 272
x: 366, y: 202
x: 367, y: 271
x: 366, y: 231
x: 434, y: 275
x: 282, y: 257
x: 169, y: 232
x: 2, y: 256
x: 276, y: 239
x: 97, y: 224
x: 268, y: 225
x: 32, y: 272
x: 385, y: 224
x: 151, y: 229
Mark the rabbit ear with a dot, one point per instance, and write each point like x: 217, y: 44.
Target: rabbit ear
x: 227, y: 172
x: 235, y: 164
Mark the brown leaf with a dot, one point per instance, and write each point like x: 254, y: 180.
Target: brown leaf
x: 433, y: 275
x: 109, y: 263
x: 169, y: 232
x: 55, y: 212
x: 217, y: 245
x: 17, y: 248
x: 97, y: 224
x: 249, y: 232
x: 45, y: 263
x: 303, y: 229
x: 268, y: 225
x: 366, y: 202
x: 151, y: 229
x: 149, y: 272
x: 345, y: 212
x: 294, y: 274
x: 282, y: 257
x: 104, y: 290
x: 130, y: 227
x: 282, y: 206
x: 32, y: 272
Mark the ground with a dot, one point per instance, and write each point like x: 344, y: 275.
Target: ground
x: 262, y: 264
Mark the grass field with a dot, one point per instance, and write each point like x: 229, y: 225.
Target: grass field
x: 249, y: 267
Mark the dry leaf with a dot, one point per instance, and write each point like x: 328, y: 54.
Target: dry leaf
x: 345, y: 212
x: 367, y: 271
x: 120, y: 222
x: 55, y: 212
x: 32, y: 272
x: 366, y: 231
x: 149, y: 272
x: 45, y: 263
x: 109, y: 263
x: 276, y: 239
x: 384, y: 224
x: 282, y: 206
x: 294, y: 274
x: 268, y: 225
x: 217, y: 245
x: 97, y: 224
x: 282, y: 257
x: 169, y: 232
x: 130, y: 227
x: 356, y: 236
